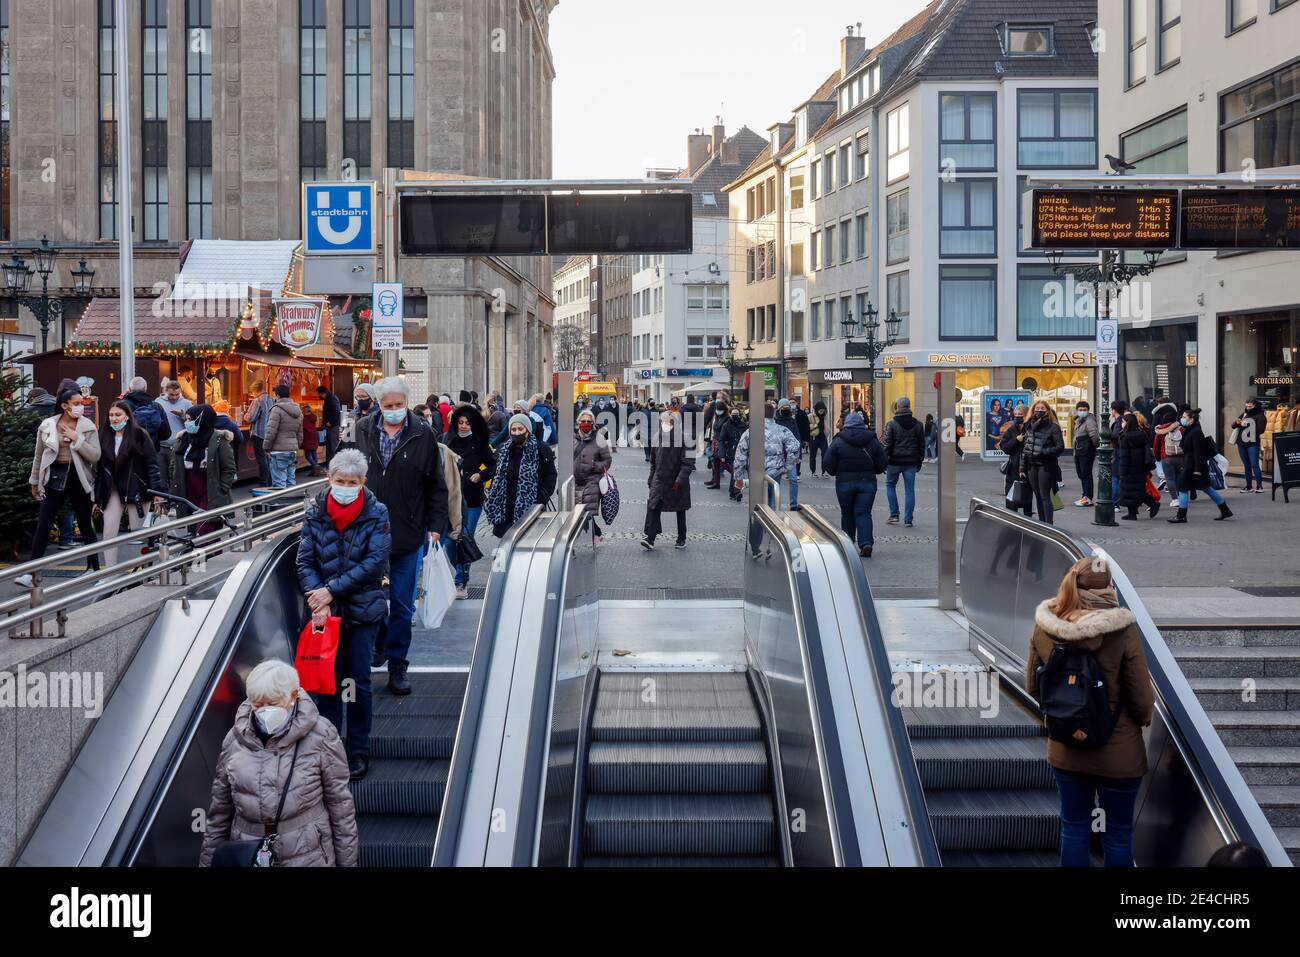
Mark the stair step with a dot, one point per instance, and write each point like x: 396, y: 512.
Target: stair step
x: 1290, y: 838
x: 1279, y: 661
x: 396, y: 840
x: 1280, y: 803
x: 670, y: 682
x: 1010, y: 721
x: 1001, y: 820
x: 1225, y: 694
x: 758, y: 860
x: 424, y: 682
x: 1266, y: 765
x: 687, y: 767
x: 419, y: 705
x: 660, y: 723
x: 1261, y: 728
x: 412, y: 786
x: 1177, y: 637
x: 982, y: 763
x: 626, y: 825
x: 393, y: 736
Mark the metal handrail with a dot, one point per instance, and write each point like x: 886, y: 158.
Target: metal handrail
x: 776, y: 491
x: 138, y: 570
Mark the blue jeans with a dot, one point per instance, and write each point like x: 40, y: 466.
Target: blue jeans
x: 471, y: 523
x: 403, y: 580
x: 353, y: 662
x: 1114, y: 483
x: 1184, y: 497
x: 1080, y: 795
x: 909, y: 490
x: 1250, y: 460
x: 857, y: 494
x: 793, y: 477
x: 283, y: 467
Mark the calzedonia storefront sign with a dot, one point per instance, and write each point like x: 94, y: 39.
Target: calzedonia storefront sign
x: 841, y: 376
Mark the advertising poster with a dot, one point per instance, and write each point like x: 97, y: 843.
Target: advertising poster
x: 999, y: 410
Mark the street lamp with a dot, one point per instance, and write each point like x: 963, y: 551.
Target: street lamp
x: 1106, y: 278
x: 18, y: 278
x: 872, y: 349
x: 728, y: 360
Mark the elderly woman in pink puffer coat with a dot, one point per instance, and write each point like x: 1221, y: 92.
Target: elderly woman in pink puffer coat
x: 318, y: 827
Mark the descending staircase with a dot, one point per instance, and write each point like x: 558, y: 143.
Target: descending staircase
x: 400, y: 799
x: 1261, y: 735
x: 677, y: 773
x: 988, y: 786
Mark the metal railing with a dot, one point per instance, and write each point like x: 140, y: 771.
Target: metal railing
x: 242, y: 523
x: 775, y: 486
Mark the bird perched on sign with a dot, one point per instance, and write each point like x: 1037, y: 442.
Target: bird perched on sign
x: 1117, y: 165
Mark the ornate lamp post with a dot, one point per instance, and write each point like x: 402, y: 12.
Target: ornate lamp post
x: 728, y: 360
x: 1106, y: 279
x: 18, y: 279
x: 873, y: 347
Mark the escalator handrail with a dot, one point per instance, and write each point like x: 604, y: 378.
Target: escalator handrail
x: 1229, y: 799
x: 905, y: 760
x: 471, y: 713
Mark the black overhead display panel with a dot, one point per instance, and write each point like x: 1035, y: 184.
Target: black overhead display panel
x: 487, y: 225
x: 1241, y: 219
x: 648, y: 223
x: 1104, y: 219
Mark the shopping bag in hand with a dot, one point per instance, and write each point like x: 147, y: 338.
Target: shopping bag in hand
x: 315, y: 656
x: 608, y: 498
x: 1057, y: 504
x: 1018, y: 494
x: 439, y: 587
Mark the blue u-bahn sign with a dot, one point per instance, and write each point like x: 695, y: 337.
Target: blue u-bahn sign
x: 338, y: 218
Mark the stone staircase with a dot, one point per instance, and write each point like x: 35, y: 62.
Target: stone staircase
x: 1248, y: 681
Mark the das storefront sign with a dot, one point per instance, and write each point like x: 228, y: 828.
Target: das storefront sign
x: 298, y: 322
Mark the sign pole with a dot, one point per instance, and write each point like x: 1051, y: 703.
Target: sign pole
x: 948, y: 490
x: 389, y: 358
x: 1104, y: 507
x: 565, y: 424
x: 125, y: 204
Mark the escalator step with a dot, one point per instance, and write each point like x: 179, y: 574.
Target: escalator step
x: 679, y: 825
x: 1013, y: 820
x: 659, y: 723
x: 667, y: 682
x: 445, y: 704
x: 414, y: 737
x: 664, y: 767
x: 982, y: 763
x: 425, y: 682
x: 667, y: 698
x: 1010, y: 721
x: 1002, y: 859
x: 412, y: 786
x: 396, y: 841
x: 750, y: 861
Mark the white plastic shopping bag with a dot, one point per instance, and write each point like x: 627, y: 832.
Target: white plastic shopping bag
x: 438, y: 585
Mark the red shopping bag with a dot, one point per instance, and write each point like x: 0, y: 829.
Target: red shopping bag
x: 315, y: 656
x: 1151, y: 490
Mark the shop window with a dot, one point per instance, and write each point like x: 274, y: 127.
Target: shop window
x: 1062, y: 389
x: 1258, y: 359
x: 1156, y: 361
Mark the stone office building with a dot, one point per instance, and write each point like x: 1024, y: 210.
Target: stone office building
x: 235, y: 103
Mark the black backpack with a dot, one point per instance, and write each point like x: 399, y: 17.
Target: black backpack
x: 1072, y: 693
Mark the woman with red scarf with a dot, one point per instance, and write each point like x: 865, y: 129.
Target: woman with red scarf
x: 342, y: 555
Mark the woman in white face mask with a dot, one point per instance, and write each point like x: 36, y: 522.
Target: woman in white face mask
x: 342, y: 554
x: 282, y: 772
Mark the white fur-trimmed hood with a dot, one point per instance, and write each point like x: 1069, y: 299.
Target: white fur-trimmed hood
x: 1103, y: 621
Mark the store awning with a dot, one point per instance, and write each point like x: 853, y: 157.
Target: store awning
x: 163, y: 327
x: 274, y: 359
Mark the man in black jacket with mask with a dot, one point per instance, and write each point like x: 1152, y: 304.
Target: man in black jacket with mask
x: 405, y: 473
x: 905, y: 450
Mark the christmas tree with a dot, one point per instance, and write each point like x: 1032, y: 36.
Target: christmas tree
x: 17, y: 443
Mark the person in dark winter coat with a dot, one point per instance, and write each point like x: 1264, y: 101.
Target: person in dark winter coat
x: 1038, y: 458
x: 525, y: 476
x: 1251, y: 426
x: 203, y: 468
x: 1085, y: 615
x: 1012, y: 444
x: 671, y: 464
x: 1133, y: 463
x: 591, y: 459
x: 1198, y: 451
x: 905, y: 451
x: 729, y: 434
x: 855, y: 458
x: 148, y: 414
x: 342, y: 554
x: 128, y: 469
x: 715, y: 417
x: 819, y: 426
x: 331, y: 418
x: 468, y: 436
x: 785, y: 418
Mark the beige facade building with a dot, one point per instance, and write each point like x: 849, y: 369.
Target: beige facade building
x: 235, y: 103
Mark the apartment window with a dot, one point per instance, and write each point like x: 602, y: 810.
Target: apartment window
x: 1135, y: 32
x: 1169, y: 48
x: 796, y: 259
x: 749, y: 265
x: 1260, y: 120
x: 800, y: 128
x: 695, y: 347
x: 898, y: 162
x: 898, y: 292
x: 771, y: 259
x: 813, y: 169
x: 846, y: 309
x: 695, y: 297
x: 864, y: 155
x: 1025, y: 40
x: 357, y: 70
x: 796, y: 326
x: 311, y: 84
x: 401, y: 83
x: 897, y: 228
x: 769, y: 199
x: 967, y: 218
x: 749, y: 325
x: 796, y: 191
x: 828, y: 169
x: 815, y: 330
x: 1157, y: 147
x: 749, y: 205
x: 1047, y: 309
x: 967, y: 123
x: 845, y: 236
x: 1241, y: 14
x: 813, y: 241
x: 153, y: 127
x: 107, y: 120
x: 828, y: 319
x: 968, y: 302
x: 860, y: 224
x: 1058, y: 129
x: 198, y: 119
x: 846, y: 176
x: 828, y: 252
x: 4, y: 119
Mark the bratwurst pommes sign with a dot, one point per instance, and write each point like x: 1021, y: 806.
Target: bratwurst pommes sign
x: 298, y: 322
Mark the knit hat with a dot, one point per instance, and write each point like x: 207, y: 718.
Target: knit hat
x: 783, y: 404
x: 520, y: 419
x: 1092, y: 573
x: 854, y: 418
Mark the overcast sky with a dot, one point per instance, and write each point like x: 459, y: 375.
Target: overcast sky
x: 634, y: 77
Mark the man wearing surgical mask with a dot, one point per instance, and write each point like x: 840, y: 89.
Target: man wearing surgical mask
x: 342, y: 554
x: 405, y: 473
x: 1087, y: 438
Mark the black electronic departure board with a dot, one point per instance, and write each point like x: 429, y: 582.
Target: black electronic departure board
x: 1104, y: 219
x: 1241, y: 219
x: 473, y: 225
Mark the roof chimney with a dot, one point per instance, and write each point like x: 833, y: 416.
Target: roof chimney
x: 851, y: 47
x: 699, y: 146
x: 719, y: 135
